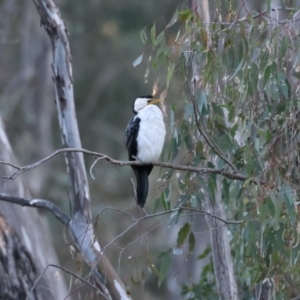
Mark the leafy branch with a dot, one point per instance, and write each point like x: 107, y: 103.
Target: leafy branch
x: 199, y: 122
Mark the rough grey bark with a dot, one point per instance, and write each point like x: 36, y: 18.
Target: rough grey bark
x: 17, y: 270
x: 80, y: 226
x: 263, y: 290
x: 25, y: 242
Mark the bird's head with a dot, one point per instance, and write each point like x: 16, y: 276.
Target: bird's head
x: 142, y: 101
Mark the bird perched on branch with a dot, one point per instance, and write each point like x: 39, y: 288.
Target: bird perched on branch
x: 144, y: 140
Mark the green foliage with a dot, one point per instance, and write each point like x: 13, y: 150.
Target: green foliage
x: 206, y: 287
x: 246, y: 101
x: 183, y: 234
x: 164, y: 266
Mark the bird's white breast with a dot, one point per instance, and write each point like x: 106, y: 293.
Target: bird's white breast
x: 151, y: 135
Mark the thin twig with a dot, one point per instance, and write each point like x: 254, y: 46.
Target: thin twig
x: 92, y: 166
x: 204, y: 133
x: 68, y: 272
x: 213, y: 216
x: 171, y: 211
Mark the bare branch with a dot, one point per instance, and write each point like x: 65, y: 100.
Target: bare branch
x: 199, y: 211
x: 213, y: 216
x: 55, y: 210
x: 38, y: 203
x: 233, y: 176
x: 159, y: 214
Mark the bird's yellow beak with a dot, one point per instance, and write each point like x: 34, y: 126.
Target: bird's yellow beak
x: 154, y: 101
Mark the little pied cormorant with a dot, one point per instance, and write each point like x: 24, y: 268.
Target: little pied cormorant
x: 144, y: 140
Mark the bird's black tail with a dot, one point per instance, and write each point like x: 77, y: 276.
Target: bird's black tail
x: 142, y: 183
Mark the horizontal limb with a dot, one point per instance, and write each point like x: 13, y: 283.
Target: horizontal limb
x: 230, y: 175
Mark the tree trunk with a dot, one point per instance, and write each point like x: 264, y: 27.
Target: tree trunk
x: 25, y: 244
x: 221, y: 252
x: 212, y: 202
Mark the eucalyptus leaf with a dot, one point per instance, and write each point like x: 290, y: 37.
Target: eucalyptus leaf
x: 183, y: 234
x: 143, y: 36
x: 192, y: 242
x: 138, y: 60
x: 153, y: 34
x: 164, y: 268
x: 173, y: 20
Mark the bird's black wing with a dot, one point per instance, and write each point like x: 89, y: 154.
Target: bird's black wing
x: 130, y: 138
x: 141, y: 172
